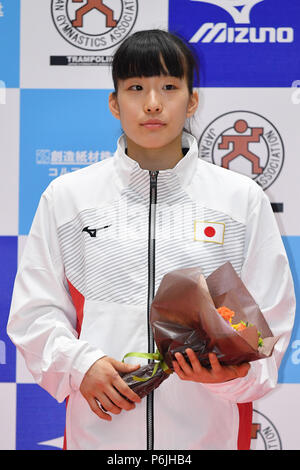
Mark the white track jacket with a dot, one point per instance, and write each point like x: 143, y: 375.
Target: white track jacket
x: 101, y: 241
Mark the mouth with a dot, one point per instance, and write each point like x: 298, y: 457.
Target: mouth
x: 153, y: 124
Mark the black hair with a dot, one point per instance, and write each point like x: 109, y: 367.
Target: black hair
x: 154, y: 52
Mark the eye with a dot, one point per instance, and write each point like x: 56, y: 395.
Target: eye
x: 170, y: 86
x: 135, y: 87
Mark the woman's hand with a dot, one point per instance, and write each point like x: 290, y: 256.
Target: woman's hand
x: 197, y: 373
x: 104, y: 389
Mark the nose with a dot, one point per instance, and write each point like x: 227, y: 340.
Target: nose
x: 152, y: 103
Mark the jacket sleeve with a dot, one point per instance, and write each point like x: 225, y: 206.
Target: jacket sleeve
x: 42, y: 320
x: 267, y: 276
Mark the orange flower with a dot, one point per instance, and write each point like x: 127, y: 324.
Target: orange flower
x: 226, y: 313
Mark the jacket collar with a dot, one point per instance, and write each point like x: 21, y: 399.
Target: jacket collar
x: 184, y: 169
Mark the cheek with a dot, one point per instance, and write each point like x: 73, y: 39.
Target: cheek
x: 178, y: 115
x: 179, y: 107
x: 128, y: 111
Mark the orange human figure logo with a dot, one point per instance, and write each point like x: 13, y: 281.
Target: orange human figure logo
x: 241, y: 145
x: 91, y: 4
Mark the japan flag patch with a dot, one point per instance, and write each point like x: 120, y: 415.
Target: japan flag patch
x: 212, y: 232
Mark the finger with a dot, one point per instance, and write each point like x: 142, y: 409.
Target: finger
x: 94, y: 406
x: 178, y: 370
x: 122, y: 387
x: 107, y: 405
x: 119, y: 400
x: 195, y: 363
x: 183, y: 364
x: 214, y: 362
x: 242, y: 369
x: 101, y: 406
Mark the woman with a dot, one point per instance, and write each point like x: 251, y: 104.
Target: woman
x: 102, y: 239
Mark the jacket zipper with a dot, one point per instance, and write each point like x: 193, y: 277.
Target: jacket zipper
x: 151, y: 292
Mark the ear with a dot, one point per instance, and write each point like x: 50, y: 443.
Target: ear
x: 114, y: 105
x: 193, y: 103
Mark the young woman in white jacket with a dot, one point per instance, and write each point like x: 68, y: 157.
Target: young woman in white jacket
x: 100, y: 243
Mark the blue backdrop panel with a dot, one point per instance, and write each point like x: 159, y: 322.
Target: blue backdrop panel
x: 60, y: 131
x: 237, y: 50
x: 8, y: 269
x: 289, y: 369
x: 39, y: 419
x: 10, y: 42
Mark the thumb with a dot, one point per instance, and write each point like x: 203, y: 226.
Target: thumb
x: 244, y: 369
x: 123, y: 367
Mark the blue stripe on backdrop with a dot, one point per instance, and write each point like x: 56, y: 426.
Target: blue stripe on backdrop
x: 10, y: 43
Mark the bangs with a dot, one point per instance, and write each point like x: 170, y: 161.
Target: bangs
x: 152, y: 53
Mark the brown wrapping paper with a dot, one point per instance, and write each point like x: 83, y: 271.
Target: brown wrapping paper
x: 183, y: 315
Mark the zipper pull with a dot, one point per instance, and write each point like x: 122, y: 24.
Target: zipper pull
x: 153, y: 176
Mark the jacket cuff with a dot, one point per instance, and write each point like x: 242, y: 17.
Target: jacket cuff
x: 82, y: 365
x: 233, y: 390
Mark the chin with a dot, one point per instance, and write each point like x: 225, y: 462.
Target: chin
x: 153, y: 145
x: 152, y: 142
x: 155, y: 141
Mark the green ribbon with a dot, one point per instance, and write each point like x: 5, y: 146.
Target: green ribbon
x: 155, y: 357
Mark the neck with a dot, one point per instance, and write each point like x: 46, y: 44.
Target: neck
x: 161, y: 158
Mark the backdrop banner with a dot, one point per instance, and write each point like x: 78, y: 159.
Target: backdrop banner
x: 55, y: 79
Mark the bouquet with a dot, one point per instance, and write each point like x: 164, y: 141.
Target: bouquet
x: 216, y: 314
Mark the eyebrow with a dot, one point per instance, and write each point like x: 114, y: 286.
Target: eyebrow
x: 167, y: 77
